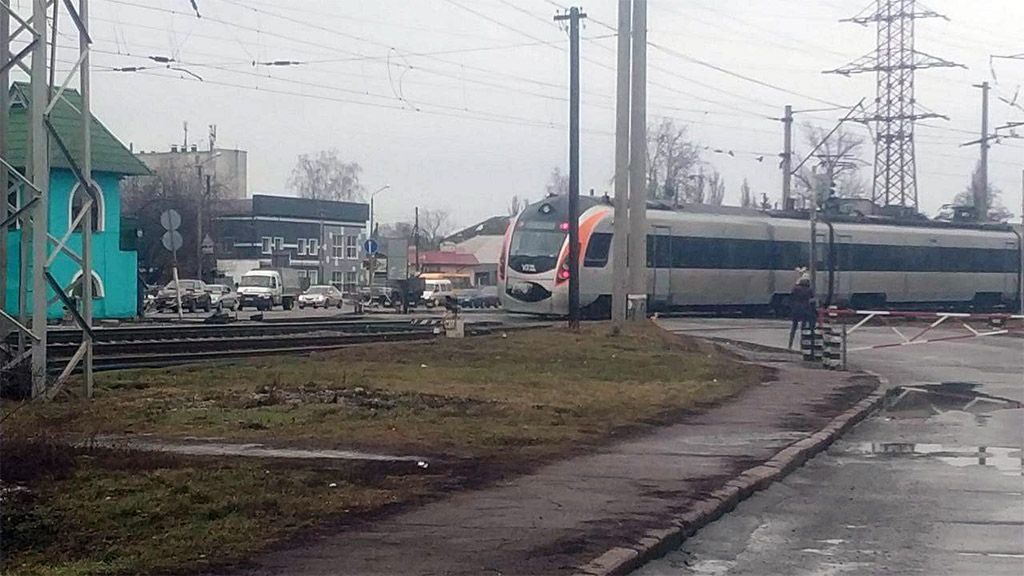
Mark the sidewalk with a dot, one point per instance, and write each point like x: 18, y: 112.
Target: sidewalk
x: 566, y: 514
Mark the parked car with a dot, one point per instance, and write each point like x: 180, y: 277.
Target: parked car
x: 436, y: 292
x: 320, y: 296
x: 486, y: 297
x: 222, y: 297
x: 466, y: 296
x: 265, y: 288
x: 194, y: 296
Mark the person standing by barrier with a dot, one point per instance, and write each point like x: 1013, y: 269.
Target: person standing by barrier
x: 801, y: 307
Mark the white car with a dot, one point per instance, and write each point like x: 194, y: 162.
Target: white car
x: 320, y: 297
x: 436, y: 291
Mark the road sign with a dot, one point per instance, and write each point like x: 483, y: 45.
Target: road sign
x: 172, y: 240
x: 370, y: 246
x: 170, y: 220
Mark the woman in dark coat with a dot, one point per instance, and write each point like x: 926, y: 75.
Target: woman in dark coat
x: 801, y: 307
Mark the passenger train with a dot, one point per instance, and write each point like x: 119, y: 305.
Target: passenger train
x: 721, y: 258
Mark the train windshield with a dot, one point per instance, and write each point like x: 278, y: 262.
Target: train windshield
x: 535, y: 247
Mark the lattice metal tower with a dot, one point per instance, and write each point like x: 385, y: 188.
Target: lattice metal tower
x: 25, y: 51
x: 894, y: 61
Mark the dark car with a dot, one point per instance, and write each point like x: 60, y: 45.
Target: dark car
x: 486, y: 297
x: 194, y: 296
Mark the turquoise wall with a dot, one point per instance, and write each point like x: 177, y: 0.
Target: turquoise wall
x: 116, y: 269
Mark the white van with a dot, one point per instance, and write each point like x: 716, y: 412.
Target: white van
x: 435, y: 291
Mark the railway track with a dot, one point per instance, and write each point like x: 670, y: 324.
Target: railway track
x: 198, y: 331
x: 124, y: 347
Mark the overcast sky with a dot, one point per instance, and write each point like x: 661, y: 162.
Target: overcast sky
x: 461, y: 104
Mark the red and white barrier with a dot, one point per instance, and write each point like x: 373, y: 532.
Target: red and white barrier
x: 998, y: 324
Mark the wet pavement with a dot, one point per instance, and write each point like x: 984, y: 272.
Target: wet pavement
x: 933, y: 484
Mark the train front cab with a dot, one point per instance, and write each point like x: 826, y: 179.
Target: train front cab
x: 535, y: 265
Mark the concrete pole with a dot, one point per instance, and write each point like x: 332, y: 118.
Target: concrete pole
x: 40, y: 171
x: 638, y: 163
x: 787, y: 158
x: 620, y: 270
x: 574, y: 167
x: 88, y: 223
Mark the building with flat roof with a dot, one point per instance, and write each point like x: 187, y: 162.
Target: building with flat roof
x: 321, y: 238
x: 227, y: 168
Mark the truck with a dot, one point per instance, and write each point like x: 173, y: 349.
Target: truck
x: 265, y: 288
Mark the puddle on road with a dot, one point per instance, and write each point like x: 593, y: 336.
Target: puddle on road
x: 927, y: 400
x: 1009, y: 461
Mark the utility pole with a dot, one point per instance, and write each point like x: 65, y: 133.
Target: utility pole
x: 638, y: 165
x: 574, y: 16
x: 981, y: 199
x: 620, y: 269
x: 787, y: 159
x: 416, y: 238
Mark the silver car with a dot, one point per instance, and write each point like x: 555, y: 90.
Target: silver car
x: 320, y: 297
x: 222, y: 297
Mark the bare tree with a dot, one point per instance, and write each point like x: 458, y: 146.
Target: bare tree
x: 838, y: 160
x: 715, y: 193
x: 996, y: 211
x: 435, y: 223
x: 746, y: 196
x: 327, y: 177
x: 396, y: 230
x: 558, y: 183
x: 176, y: 184
x: 671, y: 157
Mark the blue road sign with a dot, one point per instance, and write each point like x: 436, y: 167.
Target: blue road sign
x: 370, y: 246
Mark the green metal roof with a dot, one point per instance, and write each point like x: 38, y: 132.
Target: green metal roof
x: 108, y: 153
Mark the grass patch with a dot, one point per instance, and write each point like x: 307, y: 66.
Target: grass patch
x: 504, y: 403
x: 81, y: 511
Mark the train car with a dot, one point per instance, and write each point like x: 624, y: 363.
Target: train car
x: 731, y: 258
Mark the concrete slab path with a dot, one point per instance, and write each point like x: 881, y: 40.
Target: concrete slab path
x: 567, y: 513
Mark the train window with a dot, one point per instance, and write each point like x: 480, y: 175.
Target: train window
x: 597, y: 251
x: 659, y: 251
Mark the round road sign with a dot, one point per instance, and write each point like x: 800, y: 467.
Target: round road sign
x: 172, y: 240
x: 370, y: 246
x: 170, y: 220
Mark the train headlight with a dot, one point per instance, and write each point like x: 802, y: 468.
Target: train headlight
x: 546, y: 208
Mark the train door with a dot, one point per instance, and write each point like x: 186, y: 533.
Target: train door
x: 839, y: 267
x: 659, y: 256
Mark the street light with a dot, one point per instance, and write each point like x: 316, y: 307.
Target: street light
x: 372, y: 196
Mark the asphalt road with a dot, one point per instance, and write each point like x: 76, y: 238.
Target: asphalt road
x: 932, y: 485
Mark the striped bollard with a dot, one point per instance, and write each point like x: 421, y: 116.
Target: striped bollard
x: 810, y: 343
x: 832, y: 351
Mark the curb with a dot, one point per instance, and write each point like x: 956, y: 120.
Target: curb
x: 656, y: 543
